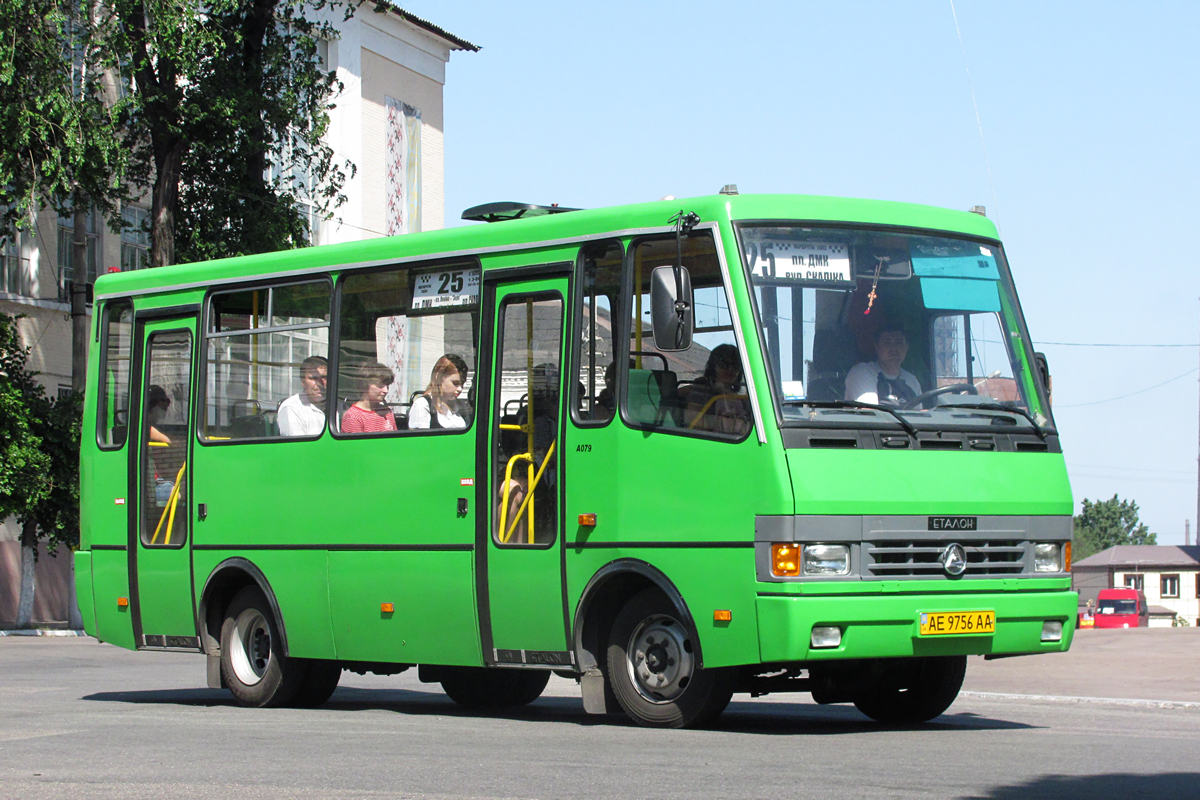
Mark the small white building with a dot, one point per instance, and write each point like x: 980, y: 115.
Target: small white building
x: 388, y: 122
x: 1168, y: 574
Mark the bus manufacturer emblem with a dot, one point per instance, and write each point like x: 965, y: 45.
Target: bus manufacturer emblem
x: 954, y: 559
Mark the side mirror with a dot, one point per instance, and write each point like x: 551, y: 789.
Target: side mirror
x: 1043, y: 368
x: 671, y: 310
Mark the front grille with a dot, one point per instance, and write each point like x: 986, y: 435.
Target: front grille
x: 922, y: 558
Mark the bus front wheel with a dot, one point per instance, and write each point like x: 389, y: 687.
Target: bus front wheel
x: 915, y: 691
x: 654, y: 671
x: 252, y: 659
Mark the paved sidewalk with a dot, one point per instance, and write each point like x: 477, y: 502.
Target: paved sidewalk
x: 1135, y: 663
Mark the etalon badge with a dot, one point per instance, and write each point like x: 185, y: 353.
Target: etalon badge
x: 954, y: 559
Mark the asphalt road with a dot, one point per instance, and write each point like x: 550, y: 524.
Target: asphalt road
x: 82, y: 719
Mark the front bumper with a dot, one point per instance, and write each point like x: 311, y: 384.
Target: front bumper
x: 878, y: 625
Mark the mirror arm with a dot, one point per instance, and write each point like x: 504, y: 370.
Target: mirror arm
x: 684, y: 222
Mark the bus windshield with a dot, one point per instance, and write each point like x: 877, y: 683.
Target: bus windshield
x: 869, y: 327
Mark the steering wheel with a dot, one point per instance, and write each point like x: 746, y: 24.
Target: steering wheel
x: 957, y: 388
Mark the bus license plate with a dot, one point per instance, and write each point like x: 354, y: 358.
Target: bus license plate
x: 942, y: 623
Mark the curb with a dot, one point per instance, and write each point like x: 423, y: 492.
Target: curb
x: 1113, y: 701
x: 42, y: 632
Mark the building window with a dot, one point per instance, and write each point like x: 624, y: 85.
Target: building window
x: 135, y: 238
x: 1134, y: 581
x: 14, y: 271
x: 1169, y: 585
x: 66, y: 253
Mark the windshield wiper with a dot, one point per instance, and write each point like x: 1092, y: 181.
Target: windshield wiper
x: 999, y: 407
x: 908, y: 426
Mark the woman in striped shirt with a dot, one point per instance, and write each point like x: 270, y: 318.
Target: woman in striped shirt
x: 371, y: 414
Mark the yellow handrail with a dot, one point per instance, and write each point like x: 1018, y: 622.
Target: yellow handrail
x: 172, y: 502
x: 528, y: 497
x: 504, y: 492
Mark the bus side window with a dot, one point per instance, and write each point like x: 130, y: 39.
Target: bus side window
x: 424, y: 355
x: 265, y: 356
x: 112, y: 419
x: 700, y: 390
x: 594, y: 398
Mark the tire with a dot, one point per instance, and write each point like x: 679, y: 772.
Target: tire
x: 653, y: 669
x: 319, y: 683
x: 914, y: 693
x: 493, y: 687
x: 252, y: 660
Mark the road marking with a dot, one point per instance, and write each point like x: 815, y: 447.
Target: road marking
x: 1047, y: 698
x: 18, y: 736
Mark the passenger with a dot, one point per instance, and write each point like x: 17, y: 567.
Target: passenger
x: 157, y: 404
x: 715, y: 402
x: 445, y: 384
x: 606, y: 401
x: 303, y: 414
x: 163, y: 467
x: 883, y: 381
x: 371, y: 414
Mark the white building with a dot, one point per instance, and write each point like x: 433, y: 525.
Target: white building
x: 388, y: 122
x: 1169, y: 575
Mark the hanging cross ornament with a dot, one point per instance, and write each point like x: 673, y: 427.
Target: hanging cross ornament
x: 879, y: 262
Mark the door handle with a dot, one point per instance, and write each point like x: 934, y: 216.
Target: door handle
x: 201, y: 510
x: 462, y: 506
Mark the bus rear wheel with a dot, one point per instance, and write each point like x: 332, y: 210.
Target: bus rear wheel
x: 914, y: 692
x: 654, y: 669
x: 252, y: 659
x: 493, y: 687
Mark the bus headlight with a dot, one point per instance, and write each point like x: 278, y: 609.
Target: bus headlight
x: 1047, y: 557
x: 826, y: 559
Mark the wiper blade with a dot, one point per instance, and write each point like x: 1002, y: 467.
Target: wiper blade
x: 1000, y: 407
x: 908, y: 426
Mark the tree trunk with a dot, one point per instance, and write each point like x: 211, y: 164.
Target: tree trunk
x: 28, y: 561
x: 79, y: 276
x: 168, y: 158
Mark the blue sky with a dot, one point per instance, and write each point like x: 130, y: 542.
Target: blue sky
x: 1088, y: 111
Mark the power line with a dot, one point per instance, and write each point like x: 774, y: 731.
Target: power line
x: 1131, y: 394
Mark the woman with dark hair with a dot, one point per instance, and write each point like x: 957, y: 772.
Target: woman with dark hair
x: 439, y: 406
x: 716, y: 402
x: 371, y: 414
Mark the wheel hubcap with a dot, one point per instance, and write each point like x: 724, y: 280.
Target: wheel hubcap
x: 660, y: 659
x: 250, y: 646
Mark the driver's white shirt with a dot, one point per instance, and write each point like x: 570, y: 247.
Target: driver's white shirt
x: 862, y: 382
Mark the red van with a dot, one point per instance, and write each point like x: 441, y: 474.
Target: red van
x: 1122, y: 608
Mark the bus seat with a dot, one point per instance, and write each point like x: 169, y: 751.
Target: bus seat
x: 834, y: 353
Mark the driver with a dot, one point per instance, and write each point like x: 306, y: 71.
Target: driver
x: 882, y: 381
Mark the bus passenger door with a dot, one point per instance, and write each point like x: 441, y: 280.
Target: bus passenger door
x: 520, y: 556
x: 160, y: 492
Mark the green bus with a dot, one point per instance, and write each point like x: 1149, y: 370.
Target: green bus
x: 674, y: 450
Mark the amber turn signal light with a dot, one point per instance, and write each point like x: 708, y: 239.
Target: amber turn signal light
x: 587, y: 520
x: 1067, y: 557
x: 387, y: 608
x: 722, y: 615
x: 785, y: 560
x: 122, y: 602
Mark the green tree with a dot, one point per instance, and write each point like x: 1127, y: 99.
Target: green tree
x: 1107, y: 523
x: 221, y: 91
x: 58, y: 122
x: 39, y: 462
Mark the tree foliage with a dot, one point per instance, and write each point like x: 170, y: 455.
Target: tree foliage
x: 1107, y: 523
x: 39, y: 449
x: 58, y: 121
x: 222, y: 91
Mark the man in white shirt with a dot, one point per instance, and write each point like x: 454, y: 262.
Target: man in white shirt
x: 303, y: 414
x: 882, y: 381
